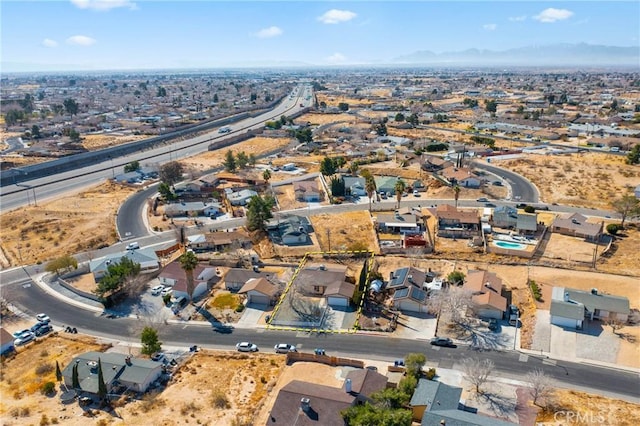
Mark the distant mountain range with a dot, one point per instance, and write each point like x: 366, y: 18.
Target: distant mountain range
x: 546, y: 55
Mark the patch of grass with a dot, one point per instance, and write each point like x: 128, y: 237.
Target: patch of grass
x: 225, y: 301
x: 219, y: 399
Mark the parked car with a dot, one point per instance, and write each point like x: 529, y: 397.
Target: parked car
x: 416, y: 193
x: 490, y: 205
x: 497, y: 183
x: 24, y: 338
x: 157, y: 290
x: 166, y: 291
x: 246, y: 347
x: 443, y: 341
x: 133, y: 246
x: 493, y: 324
x: 44, y: 318
x: 38, y: 325
x: 482, y: 200
x: 159, y: 357
x: 283, y: 348
x: 17, y: 334
x: 46, y: 328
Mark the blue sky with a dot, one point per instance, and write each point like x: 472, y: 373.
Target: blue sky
x: 133, y: 34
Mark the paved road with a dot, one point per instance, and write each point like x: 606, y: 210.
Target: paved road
x: 30, y: 298
x: 14, y: 196
x: 521, y: 188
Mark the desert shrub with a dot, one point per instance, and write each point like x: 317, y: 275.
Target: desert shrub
x: 220, y: 400
x: 191, y: 407
x: 44, y: 420
x: 102, y: 422
x: 44, y: 353
x: 43, y: 369
x: 48, y: 388
x: 263, y: 379
x: 430, y: 373
x: 535, y: 289
x: 614, y: 228
x: 239, y: 308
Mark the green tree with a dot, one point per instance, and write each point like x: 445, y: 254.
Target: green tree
x: 337, y: 186
x: 27, y: 103
x: 343, y: 106
x: 266, y: 175
x: 370, y: 188
x: 627, y: 206
x: 75, y: 381
x: 391, y: 398
x: 242, y: 160
x: 490, y: 105
x: 252, y: 159
x: 74, y: 136
x: 35, y: 132
x: 162, y: 92
x: 150, y: 342
x: 58, y: 372
x: 633, y: 156
x: 188, y: 262
x: 229, y: 161
x: 340, y: 161
x: 102, y: 387
x: 413, y: 364
x: 171, y: 172
x: 381, y: 129
x: 328, y: 166
x: 215, y: 98
x: 13, y: 116
x: 399, y: 188
x: 613, y: 228
x: 304, y: 135
x: 165, y: 191
x: 70, y: 106
x: 471, y: 103
x: 399, y: 117
x: 117, y: 274
x: 456, y: 194
x: 456, y: 277
x: 132, y: 166
x: 63, y: 263
x: 259, y: 212
x: 353, y: 168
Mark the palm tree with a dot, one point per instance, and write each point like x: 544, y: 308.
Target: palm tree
x: 370, y: 188
x: 456, y: 194
x: 400, y: 187
x: 188, y: 262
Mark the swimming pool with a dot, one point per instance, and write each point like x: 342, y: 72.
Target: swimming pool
x: 508, y: 245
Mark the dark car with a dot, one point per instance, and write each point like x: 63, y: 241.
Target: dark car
x: 494, y: 324
x: 46, y: 328
x: 521, y: 205
x: 443, y: 341
x: 490, y: 205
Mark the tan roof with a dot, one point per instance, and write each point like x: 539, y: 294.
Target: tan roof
x: 261, y: 285
x: 446, y: 211
x: 5, y: 336
x: 491, y: 299
x: 578, y: 223
x: 340, y: 288
x: 482, y: 281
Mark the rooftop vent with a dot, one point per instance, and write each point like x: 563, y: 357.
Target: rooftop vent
x: 305, y: 404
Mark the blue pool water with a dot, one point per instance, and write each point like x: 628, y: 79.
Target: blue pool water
x: 508, y: 245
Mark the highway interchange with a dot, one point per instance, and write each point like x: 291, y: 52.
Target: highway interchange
x: 18, y: 287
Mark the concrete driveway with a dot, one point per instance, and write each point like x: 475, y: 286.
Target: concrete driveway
x: 420, y: 326
x: 251, y: 318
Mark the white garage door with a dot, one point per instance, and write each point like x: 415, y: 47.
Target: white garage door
x: 337, y: 301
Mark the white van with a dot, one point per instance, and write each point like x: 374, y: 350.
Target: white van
x: 133, y: 246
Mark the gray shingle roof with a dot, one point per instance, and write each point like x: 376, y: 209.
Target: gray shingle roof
x: 560, y: 308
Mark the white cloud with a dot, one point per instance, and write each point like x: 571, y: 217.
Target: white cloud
x: 552, y: 15
x: 103, y: 5
x: 517, y: 18
x: 269, y: 32
x: 47, y: 42
x: 80, y: 40
x: 335, y: 16
x: 490, y: 27
x: 336, y: 58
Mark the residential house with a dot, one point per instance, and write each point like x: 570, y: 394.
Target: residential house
x: 326, y: 280
x: 290, y: 230
x: 306, y: 190
x: 462, y: 177
x: 434, y: 163
x: 410, y: 299
x: 406, y: 222
x: 576, y: 225
x: 569, y: 307
x: 407, y: 277
x: 435, y: 403
x: 147, y: 259
x: 118, y: 370
x: 355, y: 186
x: 386, y: 184
x: 241, y: 198
x: 487, y: 291
x: 218, y: 241
x: 260, y: 291
x: 363, y: 382
x: 308, y: 404
x: 235, y: 278
x: 453, y: 223
x: 194, y: 208
x: 6, y: 342
x: 174, y: 276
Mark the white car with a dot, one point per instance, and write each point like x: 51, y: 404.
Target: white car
x: 166, y: 291
x: 43, y: 318
x: 283, y: 348
x: 24, y: 338
x: 157, y: 290
x: 246, y: 347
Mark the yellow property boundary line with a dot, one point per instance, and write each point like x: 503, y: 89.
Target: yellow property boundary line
x: 295, y: 274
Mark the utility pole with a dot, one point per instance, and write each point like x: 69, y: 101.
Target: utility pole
x: 329, y: 238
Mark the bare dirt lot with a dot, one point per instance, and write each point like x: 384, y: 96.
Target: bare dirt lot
x: 345, y: 231
x: 588, y: 179
x: 72, y: 224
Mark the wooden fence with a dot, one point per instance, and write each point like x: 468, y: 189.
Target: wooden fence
x: 323, y: 359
